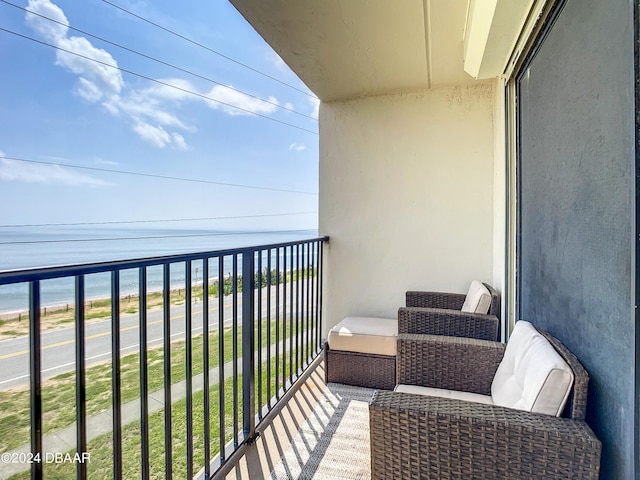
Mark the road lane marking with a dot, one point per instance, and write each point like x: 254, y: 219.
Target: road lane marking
x: 137, y: 345
x: 90, y: 337
x: 97, y: 335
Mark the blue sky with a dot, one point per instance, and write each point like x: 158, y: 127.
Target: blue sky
x: 56, y: 107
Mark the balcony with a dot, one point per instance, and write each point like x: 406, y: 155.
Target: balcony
x: 172, y: 390
x: 429, y: 177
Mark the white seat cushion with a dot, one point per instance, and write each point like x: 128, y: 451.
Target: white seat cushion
x: 365, y: 335
x: 532, y: 375
x: 478, y: 299
x: 443, y: 393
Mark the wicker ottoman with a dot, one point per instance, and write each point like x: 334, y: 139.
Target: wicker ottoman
x: 361, y: 351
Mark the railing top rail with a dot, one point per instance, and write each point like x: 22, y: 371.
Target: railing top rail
x: 44, y: 273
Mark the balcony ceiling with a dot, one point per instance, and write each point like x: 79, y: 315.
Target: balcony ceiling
x: 346, y: 49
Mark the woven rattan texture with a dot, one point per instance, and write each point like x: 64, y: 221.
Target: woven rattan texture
x: 359, y: 369
x: 419, y: 437
x: 577, y: 404
x: 415, y: 436
x: 450, y: 301
x: 453, y: 323
x: 463, y: 364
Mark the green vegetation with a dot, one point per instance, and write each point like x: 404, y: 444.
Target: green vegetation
x: 62, y: 316
x: 100, y: 448
x: 58, y: 393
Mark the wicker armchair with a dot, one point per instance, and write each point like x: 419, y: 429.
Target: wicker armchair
x: 439, y: 313
x: 421, y: 437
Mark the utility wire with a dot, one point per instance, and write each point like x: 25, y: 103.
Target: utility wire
x: 157, y: 60
x: 122, y: 222
x: 206, y: 48
x: 146, y: 237
x: 156, y: 81
x: 151, y: 175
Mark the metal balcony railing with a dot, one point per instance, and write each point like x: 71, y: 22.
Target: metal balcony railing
x: 261, y: 322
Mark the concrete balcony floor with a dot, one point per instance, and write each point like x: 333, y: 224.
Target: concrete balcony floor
x: 318, y: 431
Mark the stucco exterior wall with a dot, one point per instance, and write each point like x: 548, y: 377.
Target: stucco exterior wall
x: 406, y: 196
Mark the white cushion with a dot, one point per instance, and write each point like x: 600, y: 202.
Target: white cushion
x: 443, y: 393
x: 532, y: 375
x: 365, y: 335
x: 478, y: 299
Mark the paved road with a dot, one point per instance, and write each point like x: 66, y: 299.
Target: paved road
x: 58, y: 346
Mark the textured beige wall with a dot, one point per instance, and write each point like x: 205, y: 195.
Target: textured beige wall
x: 406, y: 196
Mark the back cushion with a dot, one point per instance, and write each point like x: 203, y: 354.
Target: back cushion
x: 478, y: 298
x: 532, y: 375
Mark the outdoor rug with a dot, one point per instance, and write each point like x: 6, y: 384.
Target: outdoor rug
x: 333, y: 443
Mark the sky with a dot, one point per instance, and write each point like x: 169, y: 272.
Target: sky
x: 59, y: 110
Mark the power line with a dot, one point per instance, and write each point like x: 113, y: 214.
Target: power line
x: 122, y: 222
x: 146, y: 237
x: 156, y: 81
x: 206, y: 48
x: 149, y: 57
x: 151, y: 175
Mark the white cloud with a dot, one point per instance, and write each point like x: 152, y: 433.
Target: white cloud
x: 88, y: 90
x: 179, y: 142
x: 12, y: 170
x: 94, y: 77
x: 220, y: 97
x: 49, y: 30
x: 315, y: 103
x: 149, y: 111
x: 98, y: 82
x: 155, y: 135
x: 297, y: 148
x: 233, y: 98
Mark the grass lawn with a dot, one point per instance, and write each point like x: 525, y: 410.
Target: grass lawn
x: 58, y: 393
x: 100, y: 449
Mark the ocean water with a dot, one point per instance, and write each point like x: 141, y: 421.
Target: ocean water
x: 23, y: 248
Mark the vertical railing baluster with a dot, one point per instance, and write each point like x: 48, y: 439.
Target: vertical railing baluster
x: 316, y: 339
x: 144, y: 380
x: 320, y: 279
x: 221, y: 357
x: 269, y: 330
x: 166, y: 320
x: 277, y: 382
x: 234, y: 329
x: 248, y: 346
x: 291, y: 313
x: 116, y: 398
x: 188, y: 367
x: 298, y: 332
x: 306, y: 301
x: 81, y: 400
x: 259, y: 328
x: 35, y: 378
x: 284, y: 318
x: 205, y: 367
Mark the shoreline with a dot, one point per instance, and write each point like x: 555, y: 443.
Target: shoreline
x: 57, y: 307
x: 53, y: 308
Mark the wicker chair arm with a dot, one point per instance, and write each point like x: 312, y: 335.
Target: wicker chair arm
x: 453, y: 363
x: 414, y: 436
x: 452, y: 301
x: 454, y: 323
